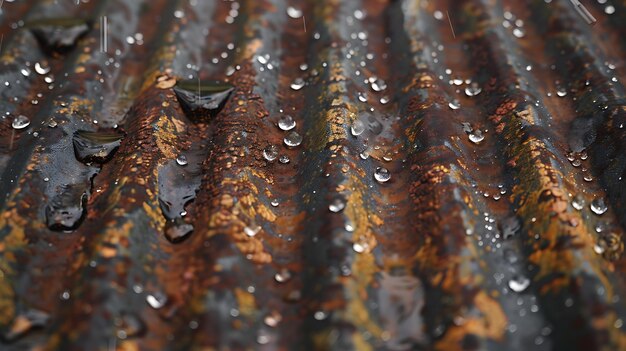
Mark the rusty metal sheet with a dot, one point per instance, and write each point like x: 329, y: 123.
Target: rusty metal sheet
x: 312, y: 175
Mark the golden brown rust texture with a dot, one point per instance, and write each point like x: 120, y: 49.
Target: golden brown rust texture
x: 427, y: 224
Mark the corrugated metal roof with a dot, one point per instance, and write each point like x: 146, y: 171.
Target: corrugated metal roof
x: 326, y: 175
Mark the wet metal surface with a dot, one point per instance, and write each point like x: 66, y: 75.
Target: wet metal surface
x: 312, y: 175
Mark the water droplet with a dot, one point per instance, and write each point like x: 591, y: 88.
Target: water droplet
x: 25, y: 71
x: 20, y: 122
x: 196, y: 97
x: 286, y: 122
x: 66, y: 210
x: 297, y: 84
x: 599, y: 248
x: 518, y: 33
x: 252, y: 231
x: 519, y: 283
x: 357, y: 128
x: 293, y: 139
x: 598, y: 206
x: 272, y: 319
x: 282, y: 276
x: 359, y: 247
x: 274, y: 203
x: 561, y: 92
x: 41, y: 69
x: 156, y: 300
x: 182, y: 160
x: 578, y: 202
x: 294, y: 12
x: 270, y: 152
x: 95, y: 146
x: 263, y: 337
x: 65, y: 295
x: 58, y: 35
x: 609, y: 10
x: 382, y: 174
x: 476, y: 136
x: 473, y: 89
x: 377, y: 84
x: 454, y: 104
x: 262, y: 59
x: 284, y: 159
x: 320, y: 315
x: 337, y: 205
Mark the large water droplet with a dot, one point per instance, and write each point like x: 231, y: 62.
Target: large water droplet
x: 66, y: 210
x: 286, y: 122
x: 293, y: 139
x: 473, y: 89
x: 382, y: 174
x: 41, y: 69
x: 294, y: 12
x: 454, y: 104
x: 357, y: 128
x: 519, y: 283
x: 598, y: 206
x: 297, y: 84
x: 95, y: 146
x: 476, y: 136
x: 58, y: 35
x: 205, y: 96
x: 578, y: 202
x: 177, y: 188
x: 20, y: 122
x: 270, y: 152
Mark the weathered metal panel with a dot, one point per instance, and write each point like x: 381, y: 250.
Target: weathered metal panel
x: 319, y: 175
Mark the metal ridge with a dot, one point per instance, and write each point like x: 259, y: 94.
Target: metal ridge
x: 312, y: 175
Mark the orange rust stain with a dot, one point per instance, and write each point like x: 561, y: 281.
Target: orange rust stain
x: 491, y: 325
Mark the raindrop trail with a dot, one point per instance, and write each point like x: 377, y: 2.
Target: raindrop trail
x: 12, y: 138
x: 583, y: 12
x: 104, y: 29
x: 450, y: 22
